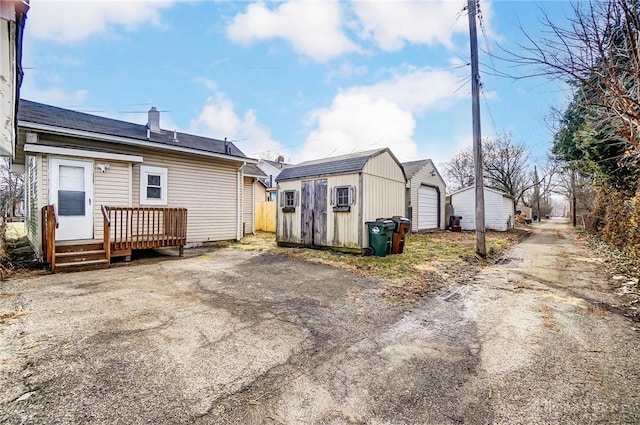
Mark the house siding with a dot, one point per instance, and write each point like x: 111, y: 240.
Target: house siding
x: 424, y: 177
x: 248, y: 205
x: 111, y: 188
x: 207, y: 187
x: 33, y: 180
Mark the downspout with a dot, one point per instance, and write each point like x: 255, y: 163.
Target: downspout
x: 253, y: 206
x: 239, y: 205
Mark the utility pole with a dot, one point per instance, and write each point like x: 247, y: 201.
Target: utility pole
x: 573, y: 198
x: 536, y: 191
x: 481, y: 247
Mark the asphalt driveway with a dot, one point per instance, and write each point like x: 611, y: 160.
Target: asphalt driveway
x: 227, y: 337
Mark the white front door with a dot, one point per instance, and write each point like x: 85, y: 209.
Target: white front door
x: 71, y: 191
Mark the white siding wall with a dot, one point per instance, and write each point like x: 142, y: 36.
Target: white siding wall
x: 508, y: 212
x: 111, y: 188
x: 7, y: 78
x: 464, y: 205
x: 248, y: 205
x: 424, y: 177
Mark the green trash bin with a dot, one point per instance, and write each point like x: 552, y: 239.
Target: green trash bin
x: 380, y: 233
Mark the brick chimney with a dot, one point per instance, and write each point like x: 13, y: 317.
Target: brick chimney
x: 280, y: 159
x: 154, y: 120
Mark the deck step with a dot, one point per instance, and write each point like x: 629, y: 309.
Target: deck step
x: 78, y: 247
x: 77, y: 256
x: 78, y: 266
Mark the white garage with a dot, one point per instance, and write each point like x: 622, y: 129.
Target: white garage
x: 498, y: 208
x: 424, y: 195
x: 427, y: 207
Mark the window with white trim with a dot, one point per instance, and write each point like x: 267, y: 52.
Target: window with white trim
x: 153, y: 185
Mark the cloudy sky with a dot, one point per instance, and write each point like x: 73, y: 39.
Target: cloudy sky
x: 306, y: 79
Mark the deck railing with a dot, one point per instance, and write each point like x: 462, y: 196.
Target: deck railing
x: 132, y: 228
x: 49, y: 222
x: 106, y: 232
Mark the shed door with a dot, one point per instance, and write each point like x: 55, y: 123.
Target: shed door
x: 427, y: 208
x: 314, y: 212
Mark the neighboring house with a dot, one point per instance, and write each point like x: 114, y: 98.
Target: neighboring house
x: 326, y: 202
x: 13, y: 14
x: 272, y: 169
x: 499, y: 213
x: 77, y: 163
x: 425, y: 195
x: 253, y: 190
x: 525, y: 211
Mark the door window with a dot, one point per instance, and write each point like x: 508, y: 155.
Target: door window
x: 71, y: 191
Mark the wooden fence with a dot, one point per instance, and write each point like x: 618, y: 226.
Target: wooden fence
x: 266, y: 216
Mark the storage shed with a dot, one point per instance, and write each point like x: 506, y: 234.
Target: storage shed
x: 499, y: 213
x: 425, y: 195
x: 326, y: 202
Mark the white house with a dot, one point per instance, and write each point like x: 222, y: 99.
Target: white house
x: 498, y: 208
x: 271, y: 169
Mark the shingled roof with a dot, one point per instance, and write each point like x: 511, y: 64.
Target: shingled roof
x: 39, y: 113
x: 410, y: 168
x: 344, y: 164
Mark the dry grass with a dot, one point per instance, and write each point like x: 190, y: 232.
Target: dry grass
x: 429, y: 259
x: 13, y: 314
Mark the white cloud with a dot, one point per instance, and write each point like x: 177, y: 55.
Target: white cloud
x: 417, y: 89
x: 379, y: 115
x: 218, y: 119
x: 356, y: 122
x: 392, y: 24
x: 72, y: 21
x: 313, y: 28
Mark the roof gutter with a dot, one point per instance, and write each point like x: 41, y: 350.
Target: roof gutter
x: 127, y: 141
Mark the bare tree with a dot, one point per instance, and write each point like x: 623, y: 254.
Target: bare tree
x: 459, y: 170
x: 11, y: 188
x: 506, y: 166
x: 598, y: 52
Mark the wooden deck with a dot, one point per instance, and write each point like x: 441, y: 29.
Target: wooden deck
x: 125, y: 229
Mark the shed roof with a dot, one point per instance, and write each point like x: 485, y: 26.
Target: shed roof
x: 485, y: 188
x: 39, y: 113
x: 343, y: 164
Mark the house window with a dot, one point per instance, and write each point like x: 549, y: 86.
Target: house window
x: 289, y: 200
x: 153, y: 185
x: 342, y: 197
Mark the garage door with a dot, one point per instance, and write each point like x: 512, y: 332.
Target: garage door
x: 427, y: 208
